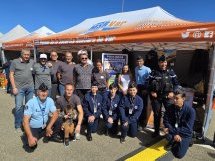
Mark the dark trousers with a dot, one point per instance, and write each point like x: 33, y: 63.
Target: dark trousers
x: 113, y: 128
x: 130, y: 129
x: 179, y: 149
x: 39, y: 132
x: 81, y: 93
x: 54, y: 91
x: 144, y: 95
x: 92, y: 126
x: 157, y: 110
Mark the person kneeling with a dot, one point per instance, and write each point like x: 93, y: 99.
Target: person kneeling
x: 110, y: 109
x: 178, y: 122
x: 130, y: 108
x: 36, y: 114
x: 92, y: 105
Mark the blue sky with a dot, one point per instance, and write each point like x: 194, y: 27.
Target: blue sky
x: 59, y: 15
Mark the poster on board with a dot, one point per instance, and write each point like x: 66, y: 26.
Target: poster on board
x: 113, y: 63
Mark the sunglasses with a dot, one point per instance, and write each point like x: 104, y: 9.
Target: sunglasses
x: 83, y: 58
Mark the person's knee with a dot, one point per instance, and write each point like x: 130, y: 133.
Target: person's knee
x: 109, y: 125
x: 179, y: 155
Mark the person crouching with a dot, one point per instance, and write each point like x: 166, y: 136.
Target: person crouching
x: 92, y: 105
x: 130, y: 109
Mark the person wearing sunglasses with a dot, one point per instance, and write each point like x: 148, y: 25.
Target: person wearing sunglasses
x: 83, y: 74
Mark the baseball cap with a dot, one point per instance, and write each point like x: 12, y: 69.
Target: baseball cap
x: 43, y: 56
x: 162, y: 58
x: 43, y: 87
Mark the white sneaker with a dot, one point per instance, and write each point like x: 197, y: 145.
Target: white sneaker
x: 18, y: 131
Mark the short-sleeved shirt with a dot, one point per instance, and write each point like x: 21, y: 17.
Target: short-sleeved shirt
x: 42, y: 75
x: 141, y: 74
x: 62, y: 102
x: 55, y: 66
x: 39, y: 111
x: 22, y: 73
x: 100, y: 79
x: 83, y: 76
x: 66, y: 71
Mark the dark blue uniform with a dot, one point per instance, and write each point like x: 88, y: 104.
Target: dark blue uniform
x: 162, y: 82
x: 92, y: 106
x: 180, y: 122
x: 130, y: 111
x: 111, y: 109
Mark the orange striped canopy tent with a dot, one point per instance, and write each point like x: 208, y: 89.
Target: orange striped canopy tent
x: 137, y: 30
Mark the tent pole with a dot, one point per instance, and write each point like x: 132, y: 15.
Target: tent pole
x: 91, y: 53
x: 3, y: 56
x: 35, y: 54
x: 209, y: 101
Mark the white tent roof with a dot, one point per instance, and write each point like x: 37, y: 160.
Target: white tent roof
x: 15, y: 33
x: 43, y: 31
x: 28, y: 40
x: 1, y: 34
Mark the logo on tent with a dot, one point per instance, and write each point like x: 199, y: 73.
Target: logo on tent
x: 185, y: 35
x: 105, y: 26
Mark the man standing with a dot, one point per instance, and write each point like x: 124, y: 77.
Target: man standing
x: 83, y: 75
x: 178, y: 122
x: 141, y: 75
x: 22, y: 84
x: 54, y: 63
x: 74, y: 101
x: 36, y: 115
x: 162, y: 83
x: 130, y: 109
x: 42, y: 73
x: 65, y: 72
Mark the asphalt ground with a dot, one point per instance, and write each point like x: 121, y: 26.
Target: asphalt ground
x: 101, y: 148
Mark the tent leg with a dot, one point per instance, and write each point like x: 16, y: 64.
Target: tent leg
x: 91, y: 53
x: 208, y: 107
x: 35, y: 54
x: 3, y: 56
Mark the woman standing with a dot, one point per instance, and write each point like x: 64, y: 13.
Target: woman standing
x: 124, y: 79
x: 100, y: 77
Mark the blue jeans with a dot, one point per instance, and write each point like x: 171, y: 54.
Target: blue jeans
x: 23, y: 93
x: 61, y: 89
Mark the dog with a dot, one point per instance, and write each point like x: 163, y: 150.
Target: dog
x: 68, y: 124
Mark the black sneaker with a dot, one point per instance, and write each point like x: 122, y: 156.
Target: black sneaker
x: 122, y: 140
x: 155, y: 134
x: 89, y: 137
x: 168, y: 146
x: 106, y: 132
x: 66, y: 142
x: 56, y: 139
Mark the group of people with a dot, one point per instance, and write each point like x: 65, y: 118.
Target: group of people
x: 86, y: 95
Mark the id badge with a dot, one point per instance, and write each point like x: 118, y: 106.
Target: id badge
x: 44, y: 126
x: 176, y: 125
x: 130, y: 111
x: 110, y: 112
x: 95, y: 109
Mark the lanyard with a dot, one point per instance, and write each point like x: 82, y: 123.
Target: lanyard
x: 94, y: 101
x: 177, y: 114
x: 132, y: 100
x: 42, y: 110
